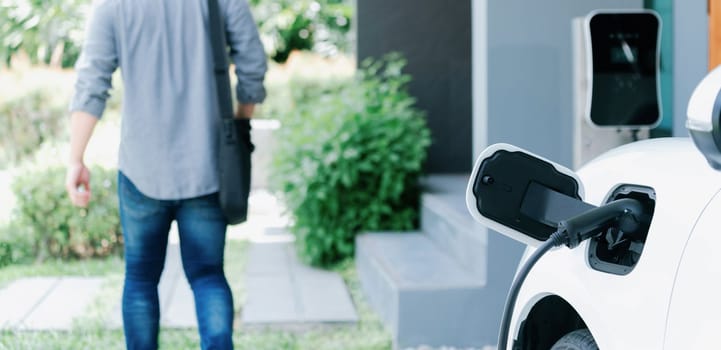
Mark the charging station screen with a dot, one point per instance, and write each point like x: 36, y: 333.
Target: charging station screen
x: 625, y: 69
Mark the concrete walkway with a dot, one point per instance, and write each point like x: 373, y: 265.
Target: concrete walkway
x: 46, y: 303
x: 280, y: 290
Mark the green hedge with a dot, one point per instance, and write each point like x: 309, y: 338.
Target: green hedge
x: 27, y: 122
x: 348, y: 160
x: 46, y: 225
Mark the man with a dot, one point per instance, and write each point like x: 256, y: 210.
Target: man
x: 168, y: 150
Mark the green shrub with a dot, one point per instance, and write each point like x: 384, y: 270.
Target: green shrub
x: 17, y: 245
x: 57, y: 228
x: 348, y: 160
x: 27, y: 122
x: 6, y: 257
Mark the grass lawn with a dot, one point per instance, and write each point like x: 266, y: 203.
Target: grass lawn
x: 91, y: 333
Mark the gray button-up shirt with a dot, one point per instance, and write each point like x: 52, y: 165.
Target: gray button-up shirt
x: 169, y: 127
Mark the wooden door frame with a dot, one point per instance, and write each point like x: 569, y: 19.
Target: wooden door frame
x: 714, y: 33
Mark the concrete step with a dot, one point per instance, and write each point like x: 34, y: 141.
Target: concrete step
x: 421, y: 293
x: 446, y: 284
x: 445, y: 219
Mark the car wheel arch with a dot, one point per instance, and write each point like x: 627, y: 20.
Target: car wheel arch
x: 548, y: 320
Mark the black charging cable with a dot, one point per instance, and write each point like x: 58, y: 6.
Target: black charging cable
x: 556, y: 239
x: 623, y: 213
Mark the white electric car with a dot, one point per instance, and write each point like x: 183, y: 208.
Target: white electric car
x: 644, y: 224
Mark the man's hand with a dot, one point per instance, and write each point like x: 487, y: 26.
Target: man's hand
x: 77, y: 184
x: 245, y: 111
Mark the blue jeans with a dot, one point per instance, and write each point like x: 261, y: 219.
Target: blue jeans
x: 201, y: 227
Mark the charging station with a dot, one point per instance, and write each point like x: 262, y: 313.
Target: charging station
x: 616, y: 80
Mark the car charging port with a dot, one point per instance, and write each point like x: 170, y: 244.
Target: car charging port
x: 617, y: 250
x: 585, y: 222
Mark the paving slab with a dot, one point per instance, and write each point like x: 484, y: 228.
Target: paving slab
x: 67, y: 301
x: 323, y: 296
x: 115, y: 319
x: 180, y: 312
x: 270, y: 300
x: 170, y: 278
x: 268, y: 259
x: 46, y: 303
x: 281, y: 290
x: 20, y: 298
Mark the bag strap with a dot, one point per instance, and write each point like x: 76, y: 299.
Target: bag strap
x: 220, y: 61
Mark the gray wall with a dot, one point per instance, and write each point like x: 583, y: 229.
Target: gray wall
x: 435, y: 37
x: 690, y: 59
x: 529, y: 72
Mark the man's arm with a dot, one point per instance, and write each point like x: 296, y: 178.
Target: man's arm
x: 94, y: 69
x: 248, y: 56
x: 77, y: 179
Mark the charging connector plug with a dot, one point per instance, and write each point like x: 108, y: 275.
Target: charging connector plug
x: 623, y: 213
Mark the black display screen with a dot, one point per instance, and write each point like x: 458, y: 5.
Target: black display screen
x: 625, y: 57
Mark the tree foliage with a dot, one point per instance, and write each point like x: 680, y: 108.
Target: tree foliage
x: 287, y: 25
x: 49, y: 31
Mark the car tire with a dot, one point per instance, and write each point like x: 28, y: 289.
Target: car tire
x: 580, y: 339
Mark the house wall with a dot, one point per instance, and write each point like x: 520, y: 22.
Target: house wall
x: 690, y: 55
x: 435, y: 37
x: 523, y: 66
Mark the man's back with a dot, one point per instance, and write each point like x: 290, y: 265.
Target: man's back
x: 169, y: 127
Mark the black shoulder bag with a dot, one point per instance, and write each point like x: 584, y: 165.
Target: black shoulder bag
x: 235, y: 145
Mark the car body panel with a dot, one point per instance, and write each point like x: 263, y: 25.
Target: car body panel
x: 629, y: 311
x: 694, y: 317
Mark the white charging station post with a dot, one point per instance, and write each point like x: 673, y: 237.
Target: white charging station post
x: 620, y: 50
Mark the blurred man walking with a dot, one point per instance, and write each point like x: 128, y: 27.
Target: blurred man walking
x: 168, y: 151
